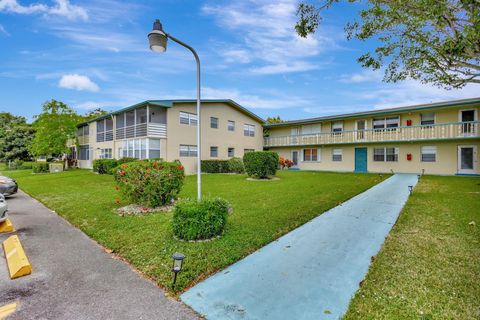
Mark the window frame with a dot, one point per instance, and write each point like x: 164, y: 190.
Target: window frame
x: 191, y: 150
x: 212, y: 121
x: 192, y: 118
x: 335, y: 155
x: 311, y: 158
x: 385, y: 154
x: 423, y: 153
x: 385, y: 124
x: 248, y: 130
x: 233, y: 125
x: 212, y: 148
x: 429, y: 122
x: 232, y: 152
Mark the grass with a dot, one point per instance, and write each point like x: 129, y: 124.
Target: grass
x: 263, y: 211
x: 429, y: 266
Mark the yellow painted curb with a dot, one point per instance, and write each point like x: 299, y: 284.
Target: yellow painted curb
x: 18, y: 264
x: 6, y: 226
x: 7, y: 310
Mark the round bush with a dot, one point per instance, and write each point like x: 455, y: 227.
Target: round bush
x: 104, y: 166
x: 235, y: 165
x: 193, y: 220
x: 150, y: 183
x: 261, y: 164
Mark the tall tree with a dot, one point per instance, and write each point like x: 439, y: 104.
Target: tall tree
x: 434, y: 41
x: 94, y: 114
x: 276, y: 119
x: 54, y: 126
x: 15, y: 136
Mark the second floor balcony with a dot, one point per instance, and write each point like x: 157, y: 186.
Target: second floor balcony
x: 441, y: 131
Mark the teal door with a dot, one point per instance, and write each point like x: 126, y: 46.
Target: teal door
x: 360, y: 159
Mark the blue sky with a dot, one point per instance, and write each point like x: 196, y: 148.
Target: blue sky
x: 93, y: 54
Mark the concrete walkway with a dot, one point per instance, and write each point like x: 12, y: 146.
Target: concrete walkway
x: 313, y: 271
x: 73, y: 277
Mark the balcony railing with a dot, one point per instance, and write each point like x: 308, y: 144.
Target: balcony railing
x: 158, y: 130
x: 441, y: 131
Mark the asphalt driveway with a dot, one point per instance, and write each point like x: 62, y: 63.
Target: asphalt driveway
x: 73, y: 277
x: 311, y: 272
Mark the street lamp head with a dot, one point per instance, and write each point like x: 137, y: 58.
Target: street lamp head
x: 157, y: 38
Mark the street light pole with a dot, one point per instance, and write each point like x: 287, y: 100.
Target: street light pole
x: 157, y: 39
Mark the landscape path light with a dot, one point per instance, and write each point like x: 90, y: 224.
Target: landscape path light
x: 177, y: 265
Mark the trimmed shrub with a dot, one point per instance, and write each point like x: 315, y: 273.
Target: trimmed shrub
x: 261, y: 164
x: 16, y: 164
x: 193, y: 220
x: 235, y: 165
x: 214, y: 166
x: 126, y: 160
x: 150, y: 183
x: 40, y: 167
x: 104, y: 166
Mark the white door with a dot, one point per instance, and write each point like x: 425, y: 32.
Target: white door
x: 361, y: 126
x: 295, y: 158
x: 295, y: 133
x: 467, y: 159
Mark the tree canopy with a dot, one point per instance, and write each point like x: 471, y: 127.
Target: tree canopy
x: 15, y: 136
x: 54, y: 126
x: 94, y: 114
x: 434, y: 41
x: 276, y: 119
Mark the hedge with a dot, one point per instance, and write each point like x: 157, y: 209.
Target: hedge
x: 261, y: 164
x: 150, y: 183
x: 104, y: 166
x: 233, y: 165
x: 193, y: 220
x: 40, y: 167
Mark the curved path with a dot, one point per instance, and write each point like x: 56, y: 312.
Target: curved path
x: 311, y: 272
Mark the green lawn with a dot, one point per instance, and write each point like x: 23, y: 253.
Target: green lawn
x: 263, y: 211
x: 429, y: 266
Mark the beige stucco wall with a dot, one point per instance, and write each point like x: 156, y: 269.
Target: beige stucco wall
x: 446, y: 160
x: 222, y: 138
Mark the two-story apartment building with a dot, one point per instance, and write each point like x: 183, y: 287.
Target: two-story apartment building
x: 437, y: 138
x: 167, y: 129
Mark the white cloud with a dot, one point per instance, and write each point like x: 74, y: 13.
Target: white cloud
x: 61, y: 8
x: 265, y: 100
x: 77, y: 82
x: 364, y: 76
x: 267, y: 37
x: 4, y: 31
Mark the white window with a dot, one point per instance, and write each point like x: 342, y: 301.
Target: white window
x: 429, y: 154
x: 188, y: 118
x: 311, y: 155
x: 337, y: 154
x: 249, y: 130
x: 386, y: 123
x: 188, y: 150
x: 84, y: 152
x: 153, y: 148
x: 105, y: 153
x: 311, y: 128
x: 231, y: 125
x: 337, y: 127
x: 387, y: 154
x: 213, y: 123
x: 138, y: 148
x: 231, y: 152
x: 427, y: 119
x: 213, y: 152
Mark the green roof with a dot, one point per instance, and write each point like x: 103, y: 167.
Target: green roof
x: 170, y: 103
x: 452, y: 103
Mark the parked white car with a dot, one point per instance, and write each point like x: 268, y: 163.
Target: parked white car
x: 3, y: 208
